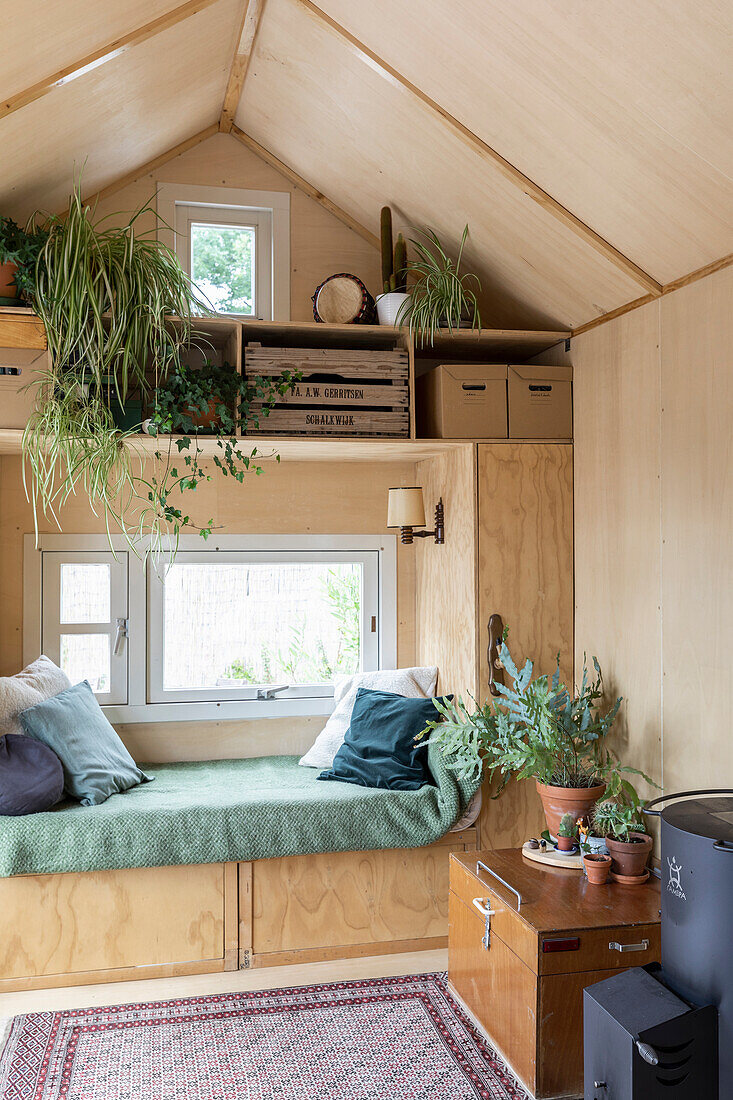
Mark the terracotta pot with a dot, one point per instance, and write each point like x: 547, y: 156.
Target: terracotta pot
x: 205, y: 419
x: 8, y: 289
x: 629, y: 857
x: 557, y: 801
x: 565, y: 843
x: 597, y: 869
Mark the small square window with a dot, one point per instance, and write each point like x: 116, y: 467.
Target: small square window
x: 223, y: 265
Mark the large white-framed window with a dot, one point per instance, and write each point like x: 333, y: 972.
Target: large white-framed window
x: 242, y: 626
x: 234, y: 243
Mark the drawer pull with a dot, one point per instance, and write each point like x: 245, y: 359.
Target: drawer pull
x: 482, y: 904
x: 614, y: 946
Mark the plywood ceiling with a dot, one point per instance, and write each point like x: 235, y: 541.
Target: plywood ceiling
x: 588, y: 146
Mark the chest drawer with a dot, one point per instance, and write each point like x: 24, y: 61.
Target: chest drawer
x: 599, y: 949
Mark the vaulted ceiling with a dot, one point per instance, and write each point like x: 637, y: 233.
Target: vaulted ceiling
x: 589, y: 146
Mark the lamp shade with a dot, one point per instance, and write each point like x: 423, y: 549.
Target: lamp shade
x: 405, y: 508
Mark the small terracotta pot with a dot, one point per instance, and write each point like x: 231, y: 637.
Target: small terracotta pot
x: 565, y: 843
x: 629, y: 858
x: 8, y: 289
x: 597, y: 869
x: 558, y: 801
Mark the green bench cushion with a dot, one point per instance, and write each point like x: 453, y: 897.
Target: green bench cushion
x: 225, y: 810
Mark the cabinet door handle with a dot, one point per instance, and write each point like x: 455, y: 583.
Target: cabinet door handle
x: 614, y: 946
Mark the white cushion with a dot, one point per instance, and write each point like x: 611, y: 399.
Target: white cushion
x: 414, y: 683
x: 40, y: 680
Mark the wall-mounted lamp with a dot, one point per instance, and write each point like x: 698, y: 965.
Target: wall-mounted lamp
x: 407, y: 511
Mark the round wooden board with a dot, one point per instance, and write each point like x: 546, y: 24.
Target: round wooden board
x: 552, y: 858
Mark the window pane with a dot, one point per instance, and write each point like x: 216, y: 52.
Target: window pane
x: 86, y: 657
x: 85, y: 593
x: 231, y: 624
x: 223, y: 265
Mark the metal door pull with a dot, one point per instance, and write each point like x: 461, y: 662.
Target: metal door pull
x: 614, y: 946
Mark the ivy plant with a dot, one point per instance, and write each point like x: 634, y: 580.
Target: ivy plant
x: 194, y: 404
x: 536, y: 728
x: 22, y: 247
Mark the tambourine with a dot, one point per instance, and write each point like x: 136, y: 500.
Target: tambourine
x: 343, y: 300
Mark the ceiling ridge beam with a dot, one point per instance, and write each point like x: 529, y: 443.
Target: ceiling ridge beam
x: 102, y: 55
x: 251, y: 20
x: 668, y: 288
x: 151, y: 165
x: 311, y: 191
x: 487, y: 152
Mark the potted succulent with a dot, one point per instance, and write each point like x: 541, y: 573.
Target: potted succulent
x: 567, y: 833
x: 395, y: 300
x: 621, y: 823
x: 596, y: 865
x: 537, y: 728
x: 441, y: 297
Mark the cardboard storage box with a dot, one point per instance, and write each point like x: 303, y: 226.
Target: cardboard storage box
x: 463, y: 401
x: 540, y: 402
x: 18, y: 367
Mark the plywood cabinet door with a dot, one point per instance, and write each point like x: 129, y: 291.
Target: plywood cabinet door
x: 525, y: 574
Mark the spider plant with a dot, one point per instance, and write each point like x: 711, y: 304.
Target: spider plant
x: 105, y: 294
x: 441, y: 297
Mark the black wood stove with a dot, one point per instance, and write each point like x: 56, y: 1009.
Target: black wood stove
x: 668, y: 1031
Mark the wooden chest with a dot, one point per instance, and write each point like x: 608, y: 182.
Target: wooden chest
x: 549, y: 935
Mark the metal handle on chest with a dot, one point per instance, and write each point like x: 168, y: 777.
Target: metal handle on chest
x: 481, y: 866
x: 623, y: 947
x: 482, y: 904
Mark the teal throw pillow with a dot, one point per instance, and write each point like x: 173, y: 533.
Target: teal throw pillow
x: 379, y: 749
x: 96, y: 764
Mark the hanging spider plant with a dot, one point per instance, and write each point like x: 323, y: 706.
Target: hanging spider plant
x: 441, y: 297
x: 105, y: 294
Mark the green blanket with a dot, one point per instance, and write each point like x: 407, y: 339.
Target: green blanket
x: 225, y: 810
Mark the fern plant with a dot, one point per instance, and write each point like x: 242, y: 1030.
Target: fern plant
x: 537, y: 729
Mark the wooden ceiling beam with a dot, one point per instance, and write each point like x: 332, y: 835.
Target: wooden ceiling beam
x: 101, y: 56
x: 251, y: 19
x: 304, y: 185
x: 508, y: 170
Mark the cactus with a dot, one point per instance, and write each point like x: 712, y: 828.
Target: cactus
x: 387, y: 259
x: 568, y: 826
x: 400, y: 263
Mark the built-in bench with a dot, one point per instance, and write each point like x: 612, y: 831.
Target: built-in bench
x: 224, y: 864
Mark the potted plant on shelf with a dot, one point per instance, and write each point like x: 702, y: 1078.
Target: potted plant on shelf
x: 19, y: 249
x: 119, y: 314
x: 621, y: 823
x: 567, y: 833
x: 441, y: 297
x: 539, y: 729
x: 596, y: 865
x: 394, y: 302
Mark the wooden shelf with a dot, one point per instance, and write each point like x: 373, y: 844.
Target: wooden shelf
x: 322, y: 449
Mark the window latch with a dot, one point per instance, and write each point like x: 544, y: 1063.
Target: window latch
x: 120, y: 637
x: 271, y: 692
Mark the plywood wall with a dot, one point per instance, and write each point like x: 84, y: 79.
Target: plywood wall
x: 320, y: 244
x: 654, y: 526
x: 290, y: 498
x: 446, y: 575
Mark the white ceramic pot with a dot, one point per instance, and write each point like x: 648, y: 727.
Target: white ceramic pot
x: 389, y: 306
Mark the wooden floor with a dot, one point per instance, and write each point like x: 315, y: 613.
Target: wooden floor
x: 273, y: 977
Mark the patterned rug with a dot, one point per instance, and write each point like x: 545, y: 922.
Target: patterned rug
x: 385, y: 1039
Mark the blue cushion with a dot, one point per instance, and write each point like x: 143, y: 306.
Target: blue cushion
x: 379, y: 749
x: 31, y: 776
x: 96, y: 763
